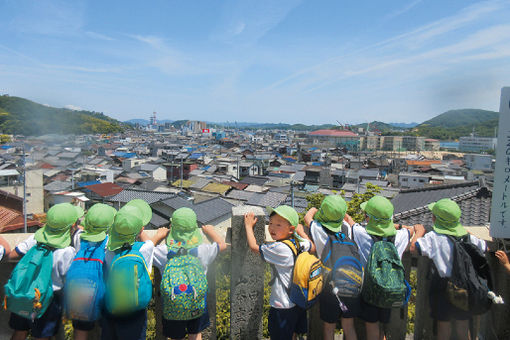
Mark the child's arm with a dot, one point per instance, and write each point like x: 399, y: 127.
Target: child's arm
x: 349, y: 220
x: 309, y: 216
x: 5, y: 244
x: 503, y: 259
x: 419, y: 231
x: 301, y: 232
x: 213, y: 235
x: 158, y: 236
x: 249, y: 223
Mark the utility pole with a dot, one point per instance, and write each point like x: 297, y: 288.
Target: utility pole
x: 292, y: 193
x: 24, y: 191
x: 182, y: 164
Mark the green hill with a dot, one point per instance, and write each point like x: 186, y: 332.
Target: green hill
x: 456, y: 123
x: 376, y: 126
x: 25, y: 117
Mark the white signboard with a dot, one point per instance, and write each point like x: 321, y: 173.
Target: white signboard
x: 500, y: 210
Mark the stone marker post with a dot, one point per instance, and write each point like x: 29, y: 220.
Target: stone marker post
x: 247, y: 278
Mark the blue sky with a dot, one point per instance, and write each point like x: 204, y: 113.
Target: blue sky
x: 265, y: 61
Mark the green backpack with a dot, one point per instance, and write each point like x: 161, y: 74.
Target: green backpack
x: 384, y: 283
x: 184, y: 286
x: 29, y: 290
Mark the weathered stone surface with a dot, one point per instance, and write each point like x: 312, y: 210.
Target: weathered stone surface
x: 247, y: 280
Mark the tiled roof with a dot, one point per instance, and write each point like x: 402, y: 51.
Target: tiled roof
x: 185, y: 183
x: 216, y: 188
x: 240, y: 195
x: 423, y: 163
x: 300, y: 203
x: 148, y: 196
x: 199, y: 183
x: 158, y: 221
x: 269, y: 199
x: 7, y: 216
x: 254, y: 180
x: 474, y: 204
x: 57, y: 186
x: 105, y: 189
x: 207, y: 211
x: 414, y: 198
x: 237, y: 185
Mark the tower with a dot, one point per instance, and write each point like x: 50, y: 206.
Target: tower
x: 153, y: 119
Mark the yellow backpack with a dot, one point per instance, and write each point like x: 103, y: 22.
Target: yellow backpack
x: 307, y: 276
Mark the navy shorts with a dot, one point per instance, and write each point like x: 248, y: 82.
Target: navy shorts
x: 84, y: 325
x: 44, y: 327
x: 330, y: 310
x: 129, y: 327
x: 283, y: 323
x: 371, y: 313
x: 440, y: 308
x: 177, y: 329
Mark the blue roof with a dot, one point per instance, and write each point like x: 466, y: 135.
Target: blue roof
x: 317, y: 163
x: 125, y: 154
x: 290, y: 159
x: 5, y: 147
x: 313, y: 148
x: 196, y: 155
x: 84, y: 184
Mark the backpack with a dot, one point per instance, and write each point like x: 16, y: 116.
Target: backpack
x: 342, y: 262
x: 307, y: 276
x: 29, y: 291
x: 184, y: 286
x: 128, y: 286
x: 470, y: 282
x: 384, y: 284
x: 84, y: 289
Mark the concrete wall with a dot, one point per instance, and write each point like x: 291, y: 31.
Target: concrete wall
x: 35, y: 191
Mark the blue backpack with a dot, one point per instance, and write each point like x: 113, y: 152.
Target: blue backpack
x: 84, y: 289
x: 129, y: 286
x: 183, y: 286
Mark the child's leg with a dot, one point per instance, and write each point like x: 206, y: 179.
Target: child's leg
x: 19, y: 335
x: 195, y: 336
x: 82, y: 329
x: 372, y: 330
x: 443, y: 330
x: 349, y: 330
x: 462, y: 329
x: 80, y: 335
x: 329, y: 331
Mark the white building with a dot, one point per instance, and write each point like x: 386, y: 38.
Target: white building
x: 477, y: 144
x: 413, y: 180
x: 478, y: 162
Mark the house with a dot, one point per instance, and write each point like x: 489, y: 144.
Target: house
x: 413, y: 180
x: 479, y: 162
x: 11, y: 214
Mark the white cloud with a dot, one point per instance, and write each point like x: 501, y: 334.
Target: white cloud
x: 73, y: 107
x: 402, y: 10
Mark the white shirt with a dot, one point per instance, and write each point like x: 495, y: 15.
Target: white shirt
x: 439, y: 248
x: 365, y: 242
x: 206, y: 253
x: 62, y: 259
x: 2, y: 252
x: 320, y: 236
x: 280, y: 255
x: 147, y: 251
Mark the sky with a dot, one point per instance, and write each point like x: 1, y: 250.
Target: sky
x: 290, y: 61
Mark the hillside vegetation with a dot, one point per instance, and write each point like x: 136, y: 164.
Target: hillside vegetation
x: 25, y: 117
x: 456, y: 123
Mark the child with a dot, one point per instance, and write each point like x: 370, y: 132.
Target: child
x: 285, y: 318
x: 184, y: 233
x: 97, y: 220
x: 56, y: 234
x: 379, y: 212
x: 503, y: 259
x: 128, y: 224
x: 329, y: 220
x: 439, y: 248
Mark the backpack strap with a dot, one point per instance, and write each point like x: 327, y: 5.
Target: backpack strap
x: 295, y: 248
x: 390, y: 239
x: 179, y: 252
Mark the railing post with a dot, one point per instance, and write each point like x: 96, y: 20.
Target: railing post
x: 423, y: 324
x: 396, y: 329
x: 210, y: 332
x: 247, y: 278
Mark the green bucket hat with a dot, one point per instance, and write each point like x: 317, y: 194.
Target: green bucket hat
x: 447, y: 214
x: 286, y: 212
x: 57, y: 230
x: 97, y: 221
x: 145, y: 209
x: 380, y: 212
x: 126, y: 226
x: 184, y: 232
x: 332, y: 212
